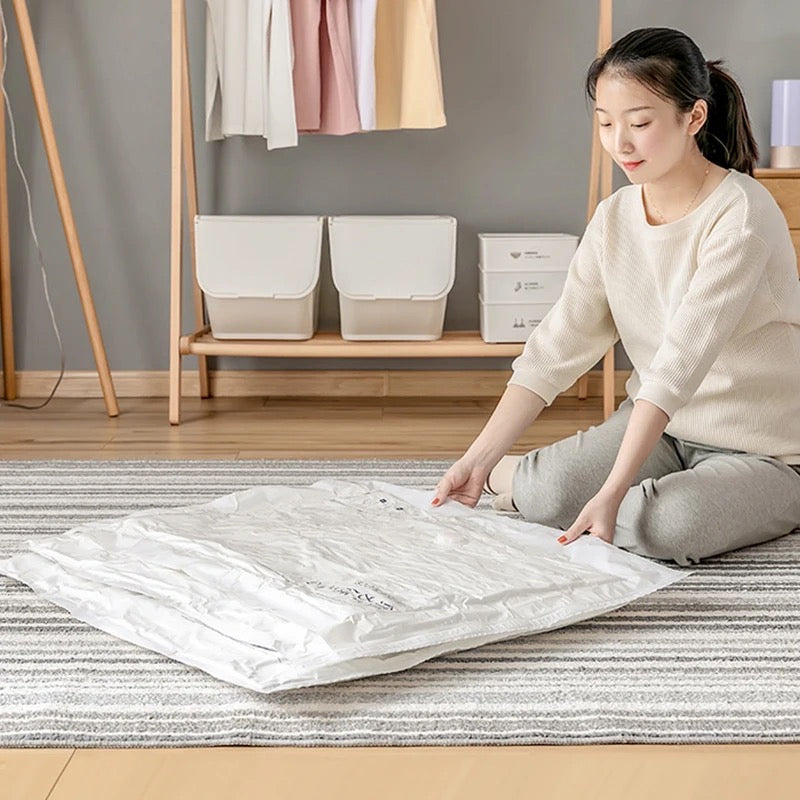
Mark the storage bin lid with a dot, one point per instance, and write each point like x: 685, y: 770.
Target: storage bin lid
x: 258, y: 256
x: 545, y: 236
x: 393, y: 257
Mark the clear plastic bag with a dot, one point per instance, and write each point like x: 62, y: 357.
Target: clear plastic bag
x: 280, y: 587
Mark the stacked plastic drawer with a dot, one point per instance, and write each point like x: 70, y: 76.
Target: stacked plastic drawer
x: 522, y: 276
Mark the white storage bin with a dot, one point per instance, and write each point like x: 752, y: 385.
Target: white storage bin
x: 260, y: 275
x: 393, y: 274
x: 514, y: 251
x: 529, y: 286
x: 510, y: 322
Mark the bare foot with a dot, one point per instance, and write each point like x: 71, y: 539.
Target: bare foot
x: 503, y: 502
x: 500, y: 478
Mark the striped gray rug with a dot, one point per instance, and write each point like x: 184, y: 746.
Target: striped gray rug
x: 715, y: 658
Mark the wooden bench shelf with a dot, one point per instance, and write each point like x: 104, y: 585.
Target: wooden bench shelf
x: 453, y: 344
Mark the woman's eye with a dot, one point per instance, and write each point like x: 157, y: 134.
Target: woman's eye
x: 642, y: 125
x: 605, y: 124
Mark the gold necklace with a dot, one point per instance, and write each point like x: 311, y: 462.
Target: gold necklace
x: 691, y: 202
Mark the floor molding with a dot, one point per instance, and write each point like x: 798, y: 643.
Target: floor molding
x: 294, y: 383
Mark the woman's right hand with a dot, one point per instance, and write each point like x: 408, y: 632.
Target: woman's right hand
x: 463, y: 482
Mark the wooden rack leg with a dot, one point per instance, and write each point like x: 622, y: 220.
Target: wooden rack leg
x: 9, y: 366
x: 192, y: 204
x: 600, y: 181
x: 605, y: 33
x: 64, y: 206
x: 594, y: 185
x: 609, y: 398
x: 594, y: 170
x: 176, y: 215
x: 608, y: 360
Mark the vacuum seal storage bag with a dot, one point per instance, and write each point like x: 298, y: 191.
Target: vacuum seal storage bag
x: 279, y: 587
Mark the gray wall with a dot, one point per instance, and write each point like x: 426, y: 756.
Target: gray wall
x: 514, y: 155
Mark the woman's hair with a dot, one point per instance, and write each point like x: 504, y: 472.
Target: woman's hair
x: 671, y: 65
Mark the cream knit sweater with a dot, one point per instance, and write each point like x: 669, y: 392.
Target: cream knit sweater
x: 706, y: 307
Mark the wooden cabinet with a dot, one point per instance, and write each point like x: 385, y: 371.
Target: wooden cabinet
x: 784, y: 184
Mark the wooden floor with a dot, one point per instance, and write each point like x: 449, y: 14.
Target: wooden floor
x: 250, y: 427
x: 256, y: 428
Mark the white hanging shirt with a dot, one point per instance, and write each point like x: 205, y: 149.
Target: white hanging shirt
x: 249, y: 59
x: 279, y: 587
x: 362, y: 37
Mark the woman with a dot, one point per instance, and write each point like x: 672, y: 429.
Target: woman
x: 692, y: 268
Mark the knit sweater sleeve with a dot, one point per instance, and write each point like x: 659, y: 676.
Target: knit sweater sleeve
x: 577, y: 330
x: 730, y: 264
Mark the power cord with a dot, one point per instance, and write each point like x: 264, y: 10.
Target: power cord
x: 30, y: 222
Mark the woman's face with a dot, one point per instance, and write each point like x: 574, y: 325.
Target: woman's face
x: 646, y: 135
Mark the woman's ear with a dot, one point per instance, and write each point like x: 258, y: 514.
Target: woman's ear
x: 697, y: 116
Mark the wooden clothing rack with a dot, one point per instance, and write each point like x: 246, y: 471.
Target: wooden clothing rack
x: 201, y: 343
x: 67, y: 219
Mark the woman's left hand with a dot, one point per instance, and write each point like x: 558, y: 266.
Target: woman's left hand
x: 598, y: 517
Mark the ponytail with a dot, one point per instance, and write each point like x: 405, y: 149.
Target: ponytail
x: 727, y: 138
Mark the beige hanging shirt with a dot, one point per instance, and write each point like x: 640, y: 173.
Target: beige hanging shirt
x: 408, y: 80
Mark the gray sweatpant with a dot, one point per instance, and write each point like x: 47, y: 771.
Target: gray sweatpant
x: 688, y: 502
